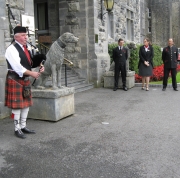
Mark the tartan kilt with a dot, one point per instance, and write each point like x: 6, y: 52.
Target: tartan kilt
x: 14, y: 94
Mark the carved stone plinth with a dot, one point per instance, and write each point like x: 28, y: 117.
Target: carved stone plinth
x: 52, y: 105
x: 109, y: 79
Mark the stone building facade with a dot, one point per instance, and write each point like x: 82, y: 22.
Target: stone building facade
x: 131, y: 20
x: 163, y: 21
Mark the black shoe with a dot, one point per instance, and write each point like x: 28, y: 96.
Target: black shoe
x: 175, y: 89
x: 19, y: 134
x: 26, y: 130
x: 164, y: 89
x: 115, y: 88
x: 125, y: 88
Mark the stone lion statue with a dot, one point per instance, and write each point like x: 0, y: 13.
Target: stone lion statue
x: 54, y: 61
x: 130, y: 46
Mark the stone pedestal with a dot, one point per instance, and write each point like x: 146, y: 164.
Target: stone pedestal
x: 52, y: 105
x: 109, y: 79
x: 4, y: 111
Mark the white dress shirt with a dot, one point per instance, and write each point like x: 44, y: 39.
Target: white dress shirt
x: 12, y: 55
x: 146, y: 48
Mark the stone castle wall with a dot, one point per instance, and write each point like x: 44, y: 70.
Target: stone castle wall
x: 72, y: 18
x: 128, y: 10
x: 165, y: 21
x: 176, y: 23
x: 124, y: 11
x: 81, y: 19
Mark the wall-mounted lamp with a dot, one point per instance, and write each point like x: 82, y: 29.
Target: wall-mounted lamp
x: 108, y: 5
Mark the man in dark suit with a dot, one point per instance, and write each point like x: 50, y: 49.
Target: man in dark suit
x: 170, y: 57
x: 120, y: 55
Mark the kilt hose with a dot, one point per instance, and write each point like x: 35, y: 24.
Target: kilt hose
x: 14, y: 93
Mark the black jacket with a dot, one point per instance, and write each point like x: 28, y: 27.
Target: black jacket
x: 146, y: 56
x: 120, y: 56
x: 170, y: 60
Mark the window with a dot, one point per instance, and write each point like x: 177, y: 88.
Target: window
x: 149, y: 13
x: 130, y: 25
x: 149, y: 25
x: 41, y: 16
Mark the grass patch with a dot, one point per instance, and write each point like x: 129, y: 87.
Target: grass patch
x: 169, y: 80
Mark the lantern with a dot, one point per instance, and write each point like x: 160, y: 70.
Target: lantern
x: 109, y: 5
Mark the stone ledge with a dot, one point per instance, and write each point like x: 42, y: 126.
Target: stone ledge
x: 111, y: 73
x: 156, y: 85
x: 109, y: 79
x: 52, y: 105
x: 48, y: 93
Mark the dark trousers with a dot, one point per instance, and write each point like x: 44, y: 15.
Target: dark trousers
x: 173, y: 75
x: 120, y: 68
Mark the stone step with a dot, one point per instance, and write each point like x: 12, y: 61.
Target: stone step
x: 73, y: 81
x: 69, y: 76
x: 69, y: 82
x: 83, y: 87
x: 70, y: 79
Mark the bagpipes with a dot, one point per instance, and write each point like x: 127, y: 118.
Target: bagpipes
x: 37, y: 59
x: 41, y: 65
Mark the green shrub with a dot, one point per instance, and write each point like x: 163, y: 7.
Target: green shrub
x: 110, y: 50
x: 157, y: 60
x: 134, y: 59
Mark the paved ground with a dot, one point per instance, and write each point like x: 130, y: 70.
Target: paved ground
x: 142, y: 139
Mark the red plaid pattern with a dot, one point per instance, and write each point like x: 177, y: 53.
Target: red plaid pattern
x: 13, y: 94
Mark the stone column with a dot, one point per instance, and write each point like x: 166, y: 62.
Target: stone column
x: 176, y: 23
x: 90, y: 57
x: 4, y: 112
x: 161, y: 28
x: 53, y: 13
x: 98, y: 58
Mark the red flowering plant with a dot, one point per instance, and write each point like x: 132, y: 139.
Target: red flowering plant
x: 178, y: 67
x: 158, y: 73
x: 138, y: 79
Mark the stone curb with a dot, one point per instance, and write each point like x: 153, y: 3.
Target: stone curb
x: 156, y: 85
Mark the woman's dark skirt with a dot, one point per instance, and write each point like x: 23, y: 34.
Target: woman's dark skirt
x: 145, y: 71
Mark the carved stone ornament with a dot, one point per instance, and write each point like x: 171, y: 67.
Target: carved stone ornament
x: 71, y: 20
x: 19, y: 4
x: 73, y: 7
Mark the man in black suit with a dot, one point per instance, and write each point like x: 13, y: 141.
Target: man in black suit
x: 170, y: 57
x: 120, y: 55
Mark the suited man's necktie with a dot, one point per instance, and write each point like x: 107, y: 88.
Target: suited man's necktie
x: 27, y: 53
